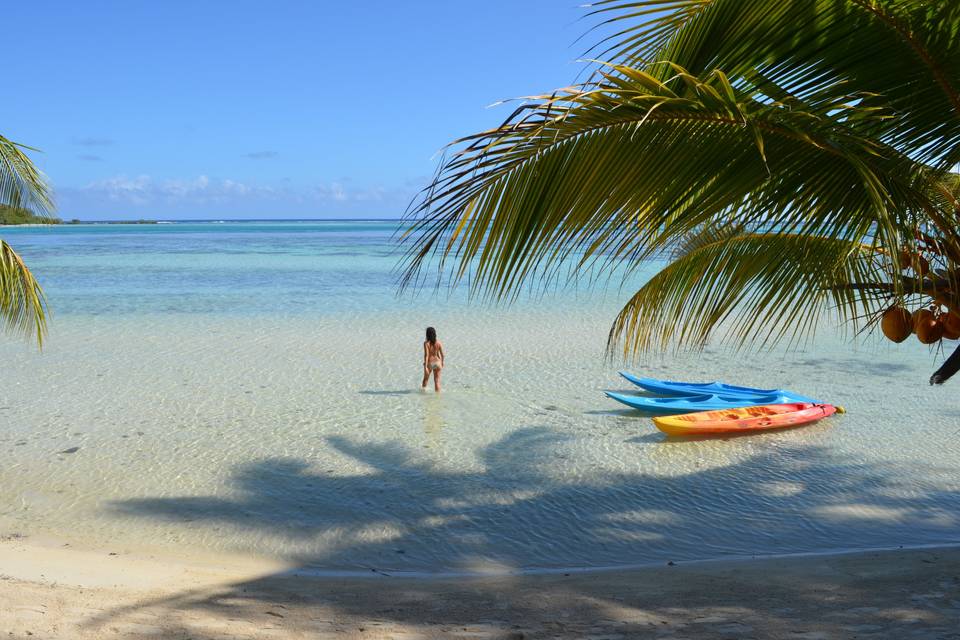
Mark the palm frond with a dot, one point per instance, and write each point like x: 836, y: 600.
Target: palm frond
x: 647, y: 26
x: 21, y: 183
x: 614, y: 171
x: 23, y: 307
x: 906, y: 52
x: 710, y: 233
x: 793, y: 156
x: 759, y: 288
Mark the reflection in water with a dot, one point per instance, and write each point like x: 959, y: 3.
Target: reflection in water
x: 433, y: 422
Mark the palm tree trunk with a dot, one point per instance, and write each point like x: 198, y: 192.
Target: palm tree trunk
x: 947, y: 369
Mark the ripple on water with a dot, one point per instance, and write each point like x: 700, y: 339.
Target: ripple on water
x: 306, y: 438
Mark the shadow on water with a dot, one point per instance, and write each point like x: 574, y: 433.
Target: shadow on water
x: 388, y: 392
x: 861, y: 365
x: 662, y: 438
x: 647, y: 438
x: 617, y: 408
x: 408, y: 515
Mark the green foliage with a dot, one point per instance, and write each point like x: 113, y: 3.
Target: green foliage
x: 21, y: 183
x: 788, y: 153
x: 23, y: 188
x: 23, y: 307
x: 17, y: 215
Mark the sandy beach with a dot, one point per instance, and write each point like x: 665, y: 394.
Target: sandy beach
x: 685, y: 275
x: 67, y: 594
x: 194, y: 473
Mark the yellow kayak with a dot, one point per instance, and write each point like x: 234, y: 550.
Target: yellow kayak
x: 758, y: 418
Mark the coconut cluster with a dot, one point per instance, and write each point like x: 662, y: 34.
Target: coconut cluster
x: 930, y: 324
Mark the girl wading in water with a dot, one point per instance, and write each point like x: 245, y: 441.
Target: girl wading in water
x: 432, y: 359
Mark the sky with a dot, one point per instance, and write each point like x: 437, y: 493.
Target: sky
x: 288, y: 109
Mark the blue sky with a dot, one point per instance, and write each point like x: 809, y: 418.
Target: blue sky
x: 289, y: 109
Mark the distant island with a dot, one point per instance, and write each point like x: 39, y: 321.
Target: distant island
x: 19, y: 215
x: 141, y: 221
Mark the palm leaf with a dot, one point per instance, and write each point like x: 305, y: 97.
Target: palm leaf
x: 21, y: 183
x: 707, y: 234
x: 758, y: 288
x: 23, y: 307
x: 618, y: 170
x: 827, y: 129
x: 905, y: 51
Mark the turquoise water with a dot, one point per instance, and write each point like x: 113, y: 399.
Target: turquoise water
x: 222, y: 268
x: 252, y: 387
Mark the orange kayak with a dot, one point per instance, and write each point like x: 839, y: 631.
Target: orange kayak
x: 759, y: 418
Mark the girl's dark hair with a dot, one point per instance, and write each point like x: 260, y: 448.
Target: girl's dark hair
x: 431, y: 335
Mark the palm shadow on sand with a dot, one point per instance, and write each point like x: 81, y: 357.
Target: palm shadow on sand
x: 514, y: 514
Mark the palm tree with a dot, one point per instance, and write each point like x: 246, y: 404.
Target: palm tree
x: 23, y: 308
x: 792, y: 158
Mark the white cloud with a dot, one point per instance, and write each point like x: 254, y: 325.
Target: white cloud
x: 201, y: 190
x: 121, y: 188
x: 203, y: 193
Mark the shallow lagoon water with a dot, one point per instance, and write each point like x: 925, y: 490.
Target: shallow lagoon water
x: 252, y: 388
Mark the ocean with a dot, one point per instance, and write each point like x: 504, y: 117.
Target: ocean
x: 253, y: 388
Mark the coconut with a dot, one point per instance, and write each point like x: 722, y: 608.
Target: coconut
x: 897, y: 324
x: 926, y: 326
x: 921, y: 316
x: 951, y: 325
x: 914, y: 261
x: 905, y: 259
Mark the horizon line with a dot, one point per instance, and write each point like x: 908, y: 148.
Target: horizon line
x: 137, y: 220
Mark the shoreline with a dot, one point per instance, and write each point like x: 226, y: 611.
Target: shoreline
x: 244, y: 563
x: 66, y: 593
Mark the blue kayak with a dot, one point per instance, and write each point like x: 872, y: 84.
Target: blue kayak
x: 690, y: 404
x: 671, y: 388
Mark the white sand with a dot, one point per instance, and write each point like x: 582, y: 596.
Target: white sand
x: 54, y: 594
x: 245, y: 436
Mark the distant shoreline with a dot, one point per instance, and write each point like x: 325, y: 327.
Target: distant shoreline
x: 75, y: 221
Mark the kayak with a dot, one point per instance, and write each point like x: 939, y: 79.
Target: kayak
x: 672, y: 388
x: 760, y: 418
x: 686, y: 404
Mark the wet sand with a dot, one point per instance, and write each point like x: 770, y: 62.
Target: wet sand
x: 52, y: 593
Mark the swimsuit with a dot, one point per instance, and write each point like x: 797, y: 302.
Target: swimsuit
x: 433, y: 359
